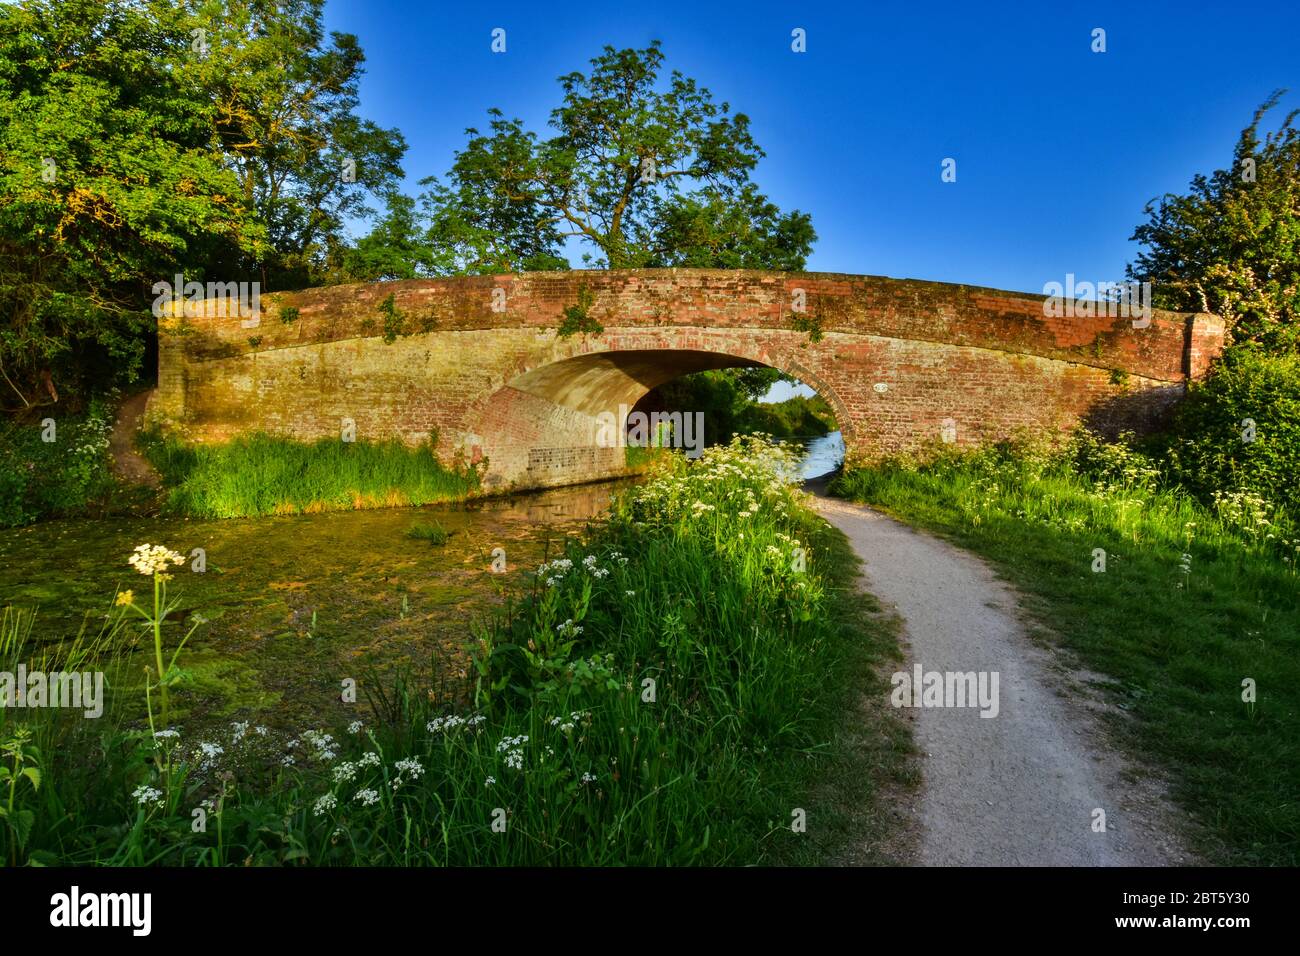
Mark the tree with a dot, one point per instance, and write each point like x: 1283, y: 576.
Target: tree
x: 144, y: 138
x: 285, y: 101
x: 108, y: 181
x: 1231, y: 246
x: 643, y: 175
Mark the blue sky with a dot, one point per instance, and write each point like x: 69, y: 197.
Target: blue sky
x: 1057, y: 147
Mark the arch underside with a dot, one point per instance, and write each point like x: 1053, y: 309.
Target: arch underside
x: 543, y: 426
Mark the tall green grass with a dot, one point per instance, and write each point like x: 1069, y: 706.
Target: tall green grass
x: 1193, y: 601
x: 681, y: 688
x: 265, y: 475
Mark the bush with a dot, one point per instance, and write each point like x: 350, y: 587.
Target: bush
x: 40, y: 479
x: 1210, y: 447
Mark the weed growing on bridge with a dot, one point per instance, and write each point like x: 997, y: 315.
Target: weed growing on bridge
x: 578, y: 318
x: 1177, y: 643
x: 264, y: 475
x: 675, y: 691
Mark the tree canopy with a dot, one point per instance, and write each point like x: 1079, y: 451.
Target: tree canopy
x: 144, y: 138
x: 643, y: 173
x: 1231, y: 245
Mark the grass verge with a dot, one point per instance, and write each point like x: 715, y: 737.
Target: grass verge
x: 265, y: 475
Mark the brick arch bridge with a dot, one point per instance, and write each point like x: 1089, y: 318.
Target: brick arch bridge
x: 478, y: 361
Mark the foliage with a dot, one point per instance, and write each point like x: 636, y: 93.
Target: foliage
x: 1239, y: 429
x: 796, y: 417
x: 1231, y: 246
x: 644, y: 174
x: 139, y: 140
x: 729, y: 401
x: 39, y: 479
x: 263, y: 475
x: 429, y: 531
x: 109, y: 181
x: 674, y: 692
x: 577, y: 317
x: 394, y: 319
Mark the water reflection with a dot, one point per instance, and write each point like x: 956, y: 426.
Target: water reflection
x: 821, y: 455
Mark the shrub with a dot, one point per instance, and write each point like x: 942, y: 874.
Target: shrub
x: 39, y: 479
x: 1211, y: 447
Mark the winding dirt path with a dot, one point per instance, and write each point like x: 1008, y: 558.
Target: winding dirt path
x: 1020, y: 788
x: 129, y: 464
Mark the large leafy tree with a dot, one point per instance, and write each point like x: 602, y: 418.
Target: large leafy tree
x: 643, y: 173
x: 284, y: 99
x: 108, y: 181
x: 144, y: 138
x: 1231, y: 245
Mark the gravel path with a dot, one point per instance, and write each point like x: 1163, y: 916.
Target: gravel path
x: 1020, y: 788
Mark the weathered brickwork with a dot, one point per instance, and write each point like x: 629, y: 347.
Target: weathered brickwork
x: 901, y: 361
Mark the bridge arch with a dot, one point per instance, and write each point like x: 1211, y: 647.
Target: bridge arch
x: 540, y: 424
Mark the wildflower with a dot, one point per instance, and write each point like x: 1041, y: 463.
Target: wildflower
x: 450, y: 722
x: 367, y: 798
x: 489, y: 781
x: 168, y: 734
x: 124, y: 598
x: 411, y: 765
x: 151, y: 559
x: 355, y: 727
x: 368, y: 760
x: 146, y: 794
x: 345, y: 772
x: 324, y: 804
x: 209, y: 754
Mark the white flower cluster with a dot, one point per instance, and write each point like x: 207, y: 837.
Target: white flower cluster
x: 597, y: 572
x: 451, y: 722
x: 151, y: 559
x: 554, y: 571
x: 322, y: 743
x: 208, y: 754
x: 410, y: 768
x: 568, y: 629
x: 567, y: 724
x: 146, y: 794
x: 324, y: 804
x: 367, y: 798
x: 513, y: 748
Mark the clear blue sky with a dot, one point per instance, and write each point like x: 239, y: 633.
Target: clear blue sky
x: 1057, y: 147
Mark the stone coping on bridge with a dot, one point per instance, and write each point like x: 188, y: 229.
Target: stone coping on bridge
x: 1170, y: 348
